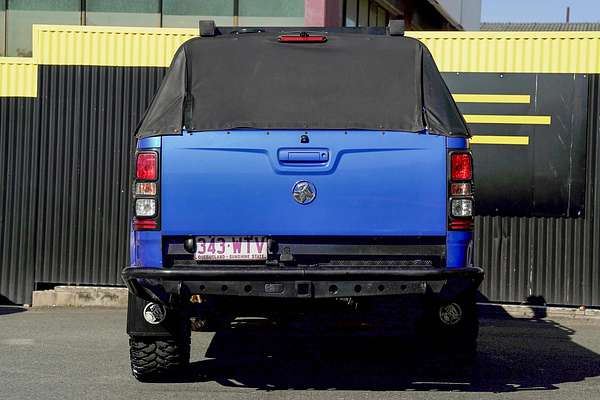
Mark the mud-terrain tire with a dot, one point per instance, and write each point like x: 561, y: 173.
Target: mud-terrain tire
x: 155, y: 358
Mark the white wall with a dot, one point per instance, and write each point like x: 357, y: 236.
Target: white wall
x: 465, y: 12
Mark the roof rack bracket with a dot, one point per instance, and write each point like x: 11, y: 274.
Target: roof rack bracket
x: 396, y: 27
x: 207, y: 28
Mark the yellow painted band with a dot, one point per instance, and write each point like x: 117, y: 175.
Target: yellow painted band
x: 497, y: 52
x: 526, y: 52
x: 515, y: 52
x: 18, y: 77
x: 492, y: 98
x: 508, y: 119
x: 107, y: 46
x: 489, y: 139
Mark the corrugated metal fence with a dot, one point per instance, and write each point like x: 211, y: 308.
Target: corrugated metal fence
x: 64, y: 159
x: 65, y: 162
x: 557, y: 258
x: 17, y: 133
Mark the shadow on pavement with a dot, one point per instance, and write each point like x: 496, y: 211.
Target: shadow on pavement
x: 513, y: 355
x: 4, y: 310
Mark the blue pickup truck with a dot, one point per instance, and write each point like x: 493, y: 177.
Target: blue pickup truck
x: 294, y: 168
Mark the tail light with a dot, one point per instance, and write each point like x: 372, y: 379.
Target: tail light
x: 146, y: 166
x: 146, y: 191
x: 145, y: 207
x: 460, y: 203
x: 460, y: 189
x: 461, y: 166
x: 145, y: 188
x: 462, y: 207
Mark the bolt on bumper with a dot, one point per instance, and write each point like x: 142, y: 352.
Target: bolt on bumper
x: 167, y: 285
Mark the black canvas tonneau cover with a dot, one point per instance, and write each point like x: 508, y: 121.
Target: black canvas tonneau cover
x: 352, y: 81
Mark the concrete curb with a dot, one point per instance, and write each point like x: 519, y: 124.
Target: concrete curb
x: 493, y: 310
x: 94, y: 296
x: 81, y: 296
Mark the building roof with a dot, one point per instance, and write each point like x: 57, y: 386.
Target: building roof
x: 540, y: 26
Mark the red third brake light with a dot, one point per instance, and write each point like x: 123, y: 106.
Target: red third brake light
x: 146, y: 166
x: 302, y: 37
x: 461, y: 166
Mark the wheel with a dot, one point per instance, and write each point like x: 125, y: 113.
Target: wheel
x: 155, y: 357
x: 453, y: 325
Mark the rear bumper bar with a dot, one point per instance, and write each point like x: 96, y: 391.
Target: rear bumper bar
x: 165, y: 285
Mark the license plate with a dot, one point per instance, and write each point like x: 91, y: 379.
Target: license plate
x: 231, y: 248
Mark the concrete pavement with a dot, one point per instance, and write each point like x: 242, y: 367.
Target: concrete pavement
x: 69, y: 354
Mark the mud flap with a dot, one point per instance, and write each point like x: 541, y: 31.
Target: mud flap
x: 175, y: 323
x: 459, y: 287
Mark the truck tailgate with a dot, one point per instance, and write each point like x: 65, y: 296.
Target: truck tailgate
x: 367, y: 183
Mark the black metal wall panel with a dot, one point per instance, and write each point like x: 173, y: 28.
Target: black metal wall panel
x: 87, y: 118
x: 556, y: 258
x: 546, y: 177
x: 18, y: 138
x: 64, y: 183
x: 65, y: 176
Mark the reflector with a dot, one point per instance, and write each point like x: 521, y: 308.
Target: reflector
x: 461, y: 224
x: 143, y: 224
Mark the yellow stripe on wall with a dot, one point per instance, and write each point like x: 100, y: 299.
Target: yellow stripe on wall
x: 545, y: 52
x: 18, y: 77
x: 499, y: 52
x: 107, y: 46
x: 503, y: 52
x: 508, y: 119
x: 492, y: 98
x: 490, y: 139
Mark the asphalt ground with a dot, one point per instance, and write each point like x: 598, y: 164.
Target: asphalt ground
x: 83, y: 354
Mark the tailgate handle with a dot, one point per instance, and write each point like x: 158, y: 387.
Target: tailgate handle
x: 303, y: 155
